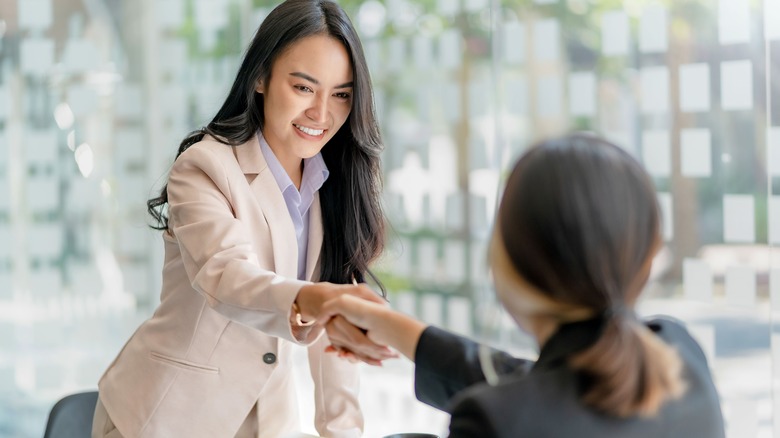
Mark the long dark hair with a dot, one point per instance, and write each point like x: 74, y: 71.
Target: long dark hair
x: 352, y: 215
x: 580, y: 221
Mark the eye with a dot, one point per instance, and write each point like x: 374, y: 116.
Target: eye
x: 343, y: 95
x: 303, y: 88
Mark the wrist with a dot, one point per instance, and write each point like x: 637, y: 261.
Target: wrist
x: 297, y: 317
x: 306, y: 302
x: 401, y: 332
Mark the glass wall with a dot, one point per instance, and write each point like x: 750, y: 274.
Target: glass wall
x: 95, y: 96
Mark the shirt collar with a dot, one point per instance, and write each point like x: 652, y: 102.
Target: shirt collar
x: 280, y: 175
x: 315, y: 172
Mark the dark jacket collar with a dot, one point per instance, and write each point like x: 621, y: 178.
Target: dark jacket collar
x: 568, y: 340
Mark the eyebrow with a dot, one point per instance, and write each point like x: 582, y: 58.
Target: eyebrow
x: 316, y: 82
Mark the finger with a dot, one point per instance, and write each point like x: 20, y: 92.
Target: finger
x: 343, y: 333
x: 362, y: 345
x: 355, y: 310
x: 348, y: 355
x: 362, y: 313
x: 344, y: 352
x: 357, y: 357
x: 330, y: 309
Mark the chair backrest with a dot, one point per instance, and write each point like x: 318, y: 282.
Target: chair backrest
x: 71, y: 416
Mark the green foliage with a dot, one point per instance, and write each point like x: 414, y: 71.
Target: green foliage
x: 228, y: 41
x: 393, y: 283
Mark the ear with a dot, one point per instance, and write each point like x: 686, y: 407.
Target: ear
x: 259, y: 86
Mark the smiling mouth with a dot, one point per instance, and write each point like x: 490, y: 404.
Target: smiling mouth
x: 309, y: 131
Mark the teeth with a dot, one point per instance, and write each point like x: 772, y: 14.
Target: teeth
x: 314, y: 132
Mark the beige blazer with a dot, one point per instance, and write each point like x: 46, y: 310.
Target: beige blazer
x: 221, y: 338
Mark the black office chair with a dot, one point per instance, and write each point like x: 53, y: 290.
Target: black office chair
x: 71, y: 416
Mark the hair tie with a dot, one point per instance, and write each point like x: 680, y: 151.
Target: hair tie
x: 616, y: 310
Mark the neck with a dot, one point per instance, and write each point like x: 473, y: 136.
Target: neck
x: 542, y: 328
x: 291, y: 164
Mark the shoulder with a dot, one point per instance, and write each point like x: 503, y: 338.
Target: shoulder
x: 518, y: 405
x: 207, y: 148
x: 674, y: 333
x: 521, y: 405
x: 665, y: 321
x: 701, y: 400
x: 204, y: 165
x: 208, y: 156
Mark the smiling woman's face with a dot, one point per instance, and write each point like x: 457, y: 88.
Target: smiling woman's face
x: 307, y: 98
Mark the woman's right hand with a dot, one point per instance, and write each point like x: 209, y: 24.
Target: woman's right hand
x: 379, y: 325
x: 341, y: 332
x: 311, y: 297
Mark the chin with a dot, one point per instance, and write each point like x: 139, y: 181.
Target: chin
x: 310, y: 151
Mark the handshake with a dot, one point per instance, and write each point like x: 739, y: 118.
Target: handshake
x: 360, y: 324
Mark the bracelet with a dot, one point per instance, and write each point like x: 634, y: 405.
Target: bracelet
x: 298, y: 319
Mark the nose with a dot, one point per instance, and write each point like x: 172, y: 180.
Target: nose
x: 318, y: 111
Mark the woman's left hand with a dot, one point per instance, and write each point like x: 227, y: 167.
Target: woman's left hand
x: 312, y: 297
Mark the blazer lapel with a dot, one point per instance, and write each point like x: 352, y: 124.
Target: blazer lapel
x: 315, y: 239
x: 271, y: 202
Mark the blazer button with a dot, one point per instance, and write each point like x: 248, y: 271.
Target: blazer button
x: 269, y: 358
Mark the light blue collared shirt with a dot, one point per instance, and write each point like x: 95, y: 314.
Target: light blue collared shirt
x: 315, y: 172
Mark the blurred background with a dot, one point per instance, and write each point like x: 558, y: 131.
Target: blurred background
x: 95, y: 96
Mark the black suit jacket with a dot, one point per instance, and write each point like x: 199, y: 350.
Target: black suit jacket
x: 541, y: 399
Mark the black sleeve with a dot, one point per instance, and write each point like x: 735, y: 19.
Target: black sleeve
x: 446, y: 363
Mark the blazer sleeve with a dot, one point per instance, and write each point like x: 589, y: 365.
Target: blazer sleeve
x: 446, y: 364
x: 216, y: 250
x: 337, y: 412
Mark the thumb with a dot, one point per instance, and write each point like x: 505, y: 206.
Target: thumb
x: 347, y: 306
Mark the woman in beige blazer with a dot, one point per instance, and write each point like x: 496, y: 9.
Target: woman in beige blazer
x: 291, y: 157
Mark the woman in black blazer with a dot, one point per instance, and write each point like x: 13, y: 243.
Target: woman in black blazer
x: 571, y: 251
